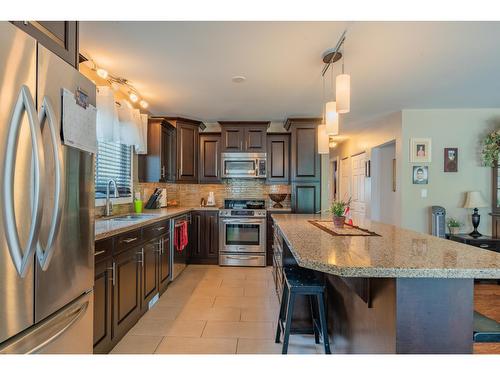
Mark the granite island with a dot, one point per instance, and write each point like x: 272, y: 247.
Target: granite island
x: 389, y: 290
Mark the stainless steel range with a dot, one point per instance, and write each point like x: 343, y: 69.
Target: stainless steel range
x: 242, y: 233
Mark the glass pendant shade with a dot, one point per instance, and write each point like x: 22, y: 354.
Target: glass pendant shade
x: 332, y: 118
x: 343, y: 93
x: 323, y: 140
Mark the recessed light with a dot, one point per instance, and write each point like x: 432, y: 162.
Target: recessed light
x: 238, y: 79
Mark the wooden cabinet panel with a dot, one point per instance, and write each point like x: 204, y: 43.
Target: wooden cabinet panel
x: 149, y: 272
x: 103, y: 294
x: 60, y: 37
x: 187, y: 153
x: 164, y: 264
x: 278, y: 158
x: 305, y: 160
x: 209, y: 170
x: 127, y: 292
x: 306, y: 197
x: 205, y: 249
x: 255, y: 139
x: 232, y: 138
x: 196, y: 233
x: 212, y: 228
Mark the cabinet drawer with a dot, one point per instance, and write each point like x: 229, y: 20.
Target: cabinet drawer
x: 103, y: 249
x: 487, y: 245
x: 156, y: 230
x: 128, y: 239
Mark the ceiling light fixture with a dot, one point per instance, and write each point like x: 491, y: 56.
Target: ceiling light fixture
x: 332, y: 118
x: 133, y: 97
x: 102, y: 73
x: 238, y: 79
x: 343, y: 91
x: 144, y: 104
x: 323, y: 140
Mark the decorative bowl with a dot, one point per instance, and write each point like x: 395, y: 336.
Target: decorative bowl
x: 277, y: 199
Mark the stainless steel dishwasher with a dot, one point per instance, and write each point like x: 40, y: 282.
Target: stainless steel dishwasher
x: 178, y: 259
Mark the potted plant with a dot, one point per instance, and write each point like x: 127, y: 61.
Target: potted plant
x: 491, y: 149
x: 338, y: 209
x: 453, y: 225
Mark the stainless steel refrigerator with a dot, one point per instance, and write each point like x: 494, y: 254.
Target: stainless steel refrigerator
x: 46, y: 204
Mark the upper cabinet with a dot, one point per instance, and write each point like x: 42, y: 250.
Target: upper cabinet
x: 209, y: 167
x: 60, y: 37
x: 278, y: 158
x: 173, y: 145
x: 244, y: 136
x: 305, y: 160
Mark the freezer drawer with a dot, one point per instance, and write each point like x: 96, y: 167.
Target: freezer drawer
x: 68, y: 331
x: 248, y: 260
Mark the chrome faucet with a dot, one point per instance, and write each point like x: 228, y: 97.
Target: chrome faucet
x: 109, y: 205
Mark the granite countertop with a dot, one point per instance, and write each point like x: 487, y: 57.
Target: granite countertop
x: 105, y: 227
x: 396, y: 253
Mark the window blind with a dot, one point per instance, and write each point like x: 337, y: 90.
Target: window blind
x: 113, y: 161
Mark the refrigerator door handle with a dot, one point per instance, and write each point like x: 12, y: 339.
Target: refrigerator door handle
x: 44, y: 255
x: 22, y: 257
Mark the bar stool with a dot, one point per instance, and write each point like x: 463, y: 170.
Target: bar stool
x: 300, y: 281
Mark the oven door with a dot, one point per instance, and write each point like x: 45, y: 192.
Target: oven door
x: 238, y: 235
x: 239, y: 168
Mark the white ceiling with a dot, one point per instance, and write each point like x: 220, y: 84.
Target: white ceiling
x: 185, y: 68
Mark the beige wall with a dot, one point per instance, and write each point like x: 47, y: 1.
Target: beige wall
x: 462, y: 128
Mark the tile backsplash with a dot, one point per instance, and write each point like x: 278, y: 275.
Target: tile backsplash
x: 191, y: 194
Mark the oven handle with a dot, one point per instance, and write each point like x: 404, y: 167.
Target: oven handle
x: 239, y: 221
x: 242, y: 257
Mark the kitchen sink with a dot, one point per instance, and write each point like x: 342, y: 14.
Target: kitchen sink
x: 133, y: 217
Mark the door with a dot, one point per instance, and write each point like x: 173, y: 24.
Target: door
x: 69, y: 204
x: 278, y: 158
x: 17, y: 68
x: 210, y: 158
x: 103, y: 300
x: 345, y: 173
x: 149, y: 253
x: 187, y: 152
x: 127, y: 291
x: 164, y: 263
x: 232, y: 138
x: 358, y: 204
x: 255, y: 139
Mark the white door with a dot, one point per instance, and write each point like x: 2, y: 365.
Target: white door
x: 345, y: 173
x: 358, y: 204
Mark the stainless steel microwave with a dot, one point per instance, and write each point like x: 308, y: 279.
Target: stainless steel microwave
x: 243, y: 165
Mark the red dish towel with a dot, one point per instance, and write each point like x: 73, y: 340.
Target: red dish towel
x: 181, y: 236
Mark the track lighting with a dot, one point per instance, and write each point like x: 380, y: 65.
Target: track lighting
x: 102, y: 73
x: 144, y: 104
x: 133, y: 97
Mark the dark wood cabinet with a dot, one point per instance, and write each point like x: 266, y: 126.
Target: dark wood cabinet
x: 103, y: 294
x: 127, y: 291
x: 306, y: 197
x: 209, y: 166
x: 205, y: 236
x: 172, y: 151
x: 278, y: 158
x: 244, y: 136
x: 164, y: 264
x: 149, y: 271
x: 60, y: 37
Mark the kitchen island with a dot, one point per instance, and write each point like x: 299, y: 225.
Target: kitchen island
x: 389, y: 290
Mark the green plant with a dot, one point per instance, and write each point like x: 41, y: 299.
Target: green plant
x: 491, y: 149
x: 453, y: 223
x: 338, y: 207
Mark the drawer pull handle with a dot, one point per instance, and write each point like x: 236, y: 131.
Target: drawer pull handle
x: 97, y: 253
x: 129, y: 240
x: 484, y: 245
x: 160, y: 228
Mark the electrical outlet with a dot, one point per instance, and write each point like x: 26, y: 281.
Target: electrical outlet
x: 423, y: 193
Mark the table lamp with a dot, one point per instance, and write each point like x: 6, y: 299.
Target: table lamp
x: 474, y: 199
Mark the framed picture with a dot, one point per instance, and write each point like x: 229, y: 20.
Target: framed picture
x: 420, y: 175
x: 420, y: 150
x: 451, y: 159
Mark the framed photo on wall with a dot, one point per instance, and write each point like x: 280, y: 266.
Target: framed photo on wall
x: 451, y: 159
x: 420, y: 150
x: 420, y: 175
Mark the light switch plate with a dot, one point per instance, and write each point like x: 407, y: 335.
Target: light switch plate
x: 423, y: 193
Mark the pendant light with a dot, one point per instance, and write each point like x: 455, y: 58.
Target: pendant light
x: 332, y: 118
x: 322, y: 134
x: 343, y: 91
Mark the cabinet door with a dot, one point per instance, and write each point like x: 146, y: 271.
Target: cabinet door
x: 255, y: 139
x: 149, y: 271
x: 103, y: 294
x: 232, y: 138
x: 127, y: 292
x: 196, y: 236
x: 187, y: 152
x: 305, y: 163
x: 60, y: 37
x: 306, y: 197
x: 212, y: 234
x: 210, y: 158
x: 164, y: 263
x: 278, y: 158
x: 269, y: 239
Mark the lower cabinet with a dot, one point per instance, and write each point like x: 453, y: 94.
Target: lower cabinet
x: 164, y: 263
x: 306, y: 197
x: 204, y: 238
x: 103, y: 294
x: 127, y: 291
x: 150, y: 266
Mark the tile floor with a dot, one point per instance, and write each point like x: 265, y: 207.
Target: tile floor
x: 214, y: 310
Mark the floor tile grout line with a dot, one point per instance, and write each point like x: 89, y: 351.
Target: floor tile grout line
x: 203, y: 330
x: 157, y: 346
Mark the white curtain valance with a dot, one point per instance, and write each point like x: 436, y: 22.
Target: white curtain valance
x: 130, y: 132
x: 143, y: 147
x: 107, y: 124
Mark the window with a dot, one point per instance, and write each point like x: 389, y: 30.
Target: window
x: 113, y: 161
